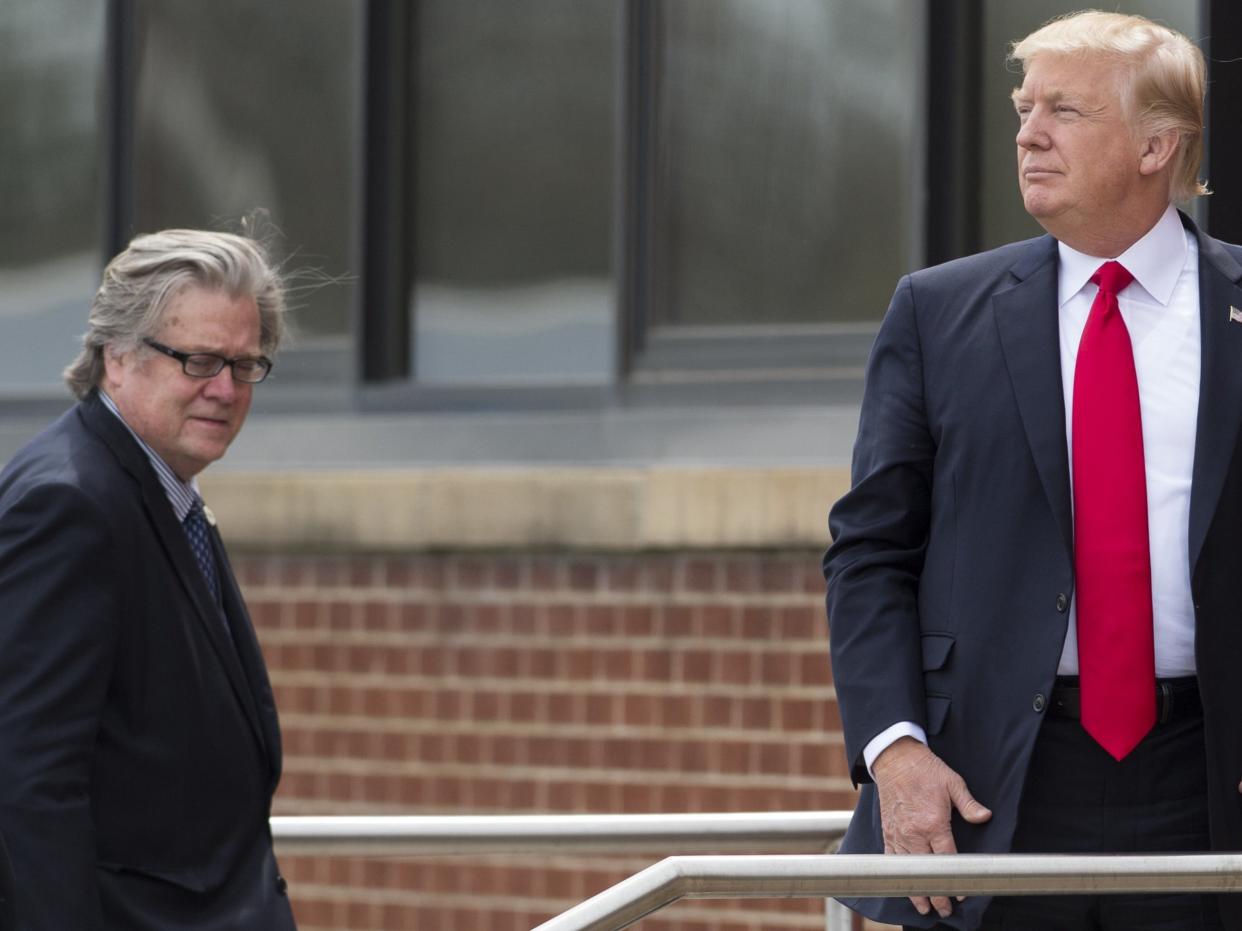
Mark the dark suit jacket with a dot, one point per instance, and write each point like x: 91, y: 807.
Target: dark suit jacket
x: 952, y: 558
x: 139, y: 747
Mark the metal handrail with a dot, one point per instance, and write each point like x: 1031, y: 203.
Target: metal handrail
x: 856, y: 875
x: 429, y: 834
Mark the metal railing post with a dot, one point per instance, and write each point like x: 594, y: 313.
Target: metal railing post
x: 838, y: 917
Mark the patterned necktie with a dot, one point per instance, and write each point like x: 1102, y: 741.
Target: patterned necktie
x: 196, y: 530
x: 1112, y: 557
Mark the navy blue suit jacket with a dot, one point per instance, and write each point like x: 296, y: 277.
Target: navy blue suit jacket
x: 952, y: 555
x: 139, y: 747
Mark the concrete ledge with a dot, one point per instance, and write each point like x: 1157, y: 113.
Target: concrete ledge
x: 596, y: 508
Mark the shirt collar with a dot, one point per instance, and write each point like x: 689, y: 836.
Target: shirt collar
x: 1155, y: 261
x: 181, y: 495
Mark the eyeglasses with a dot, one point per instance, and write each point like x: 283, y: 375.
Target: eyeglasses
x: 208, y: 365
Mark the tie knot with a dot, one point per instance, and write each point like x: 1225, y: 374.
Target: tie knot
x: 1112, y: 277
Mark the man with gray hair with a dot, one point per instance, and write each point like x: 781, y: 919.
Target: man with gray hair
x: 1033, y: 586
x: 139, y: 745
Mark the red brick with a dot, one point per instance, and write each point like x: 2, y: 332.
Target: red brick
x: 599, y: 709
x: 756, y: 713
x: 622, y: 576
x: 735, y: 668
x: 678, y: 621
x: 468, y: 573
x: 715, y: 622
x: 506, y: 573
x: 776, y: 669
x: 717, y: 711
x: 545, y: 575
x: 733, y: 756
x: 450, y: 618
x: 579, y: 664
x: 395, y: 572
x: 615, y: 664
x: 759, y: 623
x: 740, y: 574
x: 375, y: 615
x: 340, y: 616
x: 361, y: 573
x: 540, y: 664
x: 559, y: 619
x: 522, y: 707
x: 485, y: 706
x: 523, y: 619
x: 583, y: 576
x: 813, y: 579
x: 562, y: 709
x: 639, y: 710
x: 700, y: 575
x: 775, y: 759
x: 486, y: 619
x: 656, y: 665
x: 806, y: 623
x: 696, y: 666
x: 801, y: 714
x: 658, y: 576
x: 693, y: 756
x: 637, y: 621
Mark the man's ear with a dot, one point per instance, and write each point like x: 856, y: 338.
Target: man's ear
x: 115, y: 366
x: 1158, y: 151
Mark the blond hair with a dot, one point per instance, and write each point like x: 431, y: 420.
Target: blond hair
x: 1163, y: 85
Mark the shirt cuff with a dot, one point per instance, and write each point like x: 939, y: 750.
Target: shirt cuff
x: 890, y: 735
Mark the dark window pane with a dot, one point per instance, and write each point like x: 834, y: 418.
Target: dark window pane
x: 1004, y: 218
x: 787, y: 159
x: 244, y: 105
x: 50, y: 60
x: 512, y: 108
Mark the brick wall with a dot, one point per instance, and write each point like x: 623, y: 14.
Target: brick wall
x: 470, y: 683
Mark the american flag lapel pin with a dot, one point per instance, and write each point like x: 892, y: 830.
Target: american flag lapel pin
x: 1235, y: 315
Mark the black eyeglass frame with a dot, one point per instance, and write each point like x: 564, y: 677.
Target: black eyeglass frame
x: 185, y: 357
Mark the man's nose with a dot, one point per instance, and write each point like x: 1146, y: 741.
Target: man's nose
x: 221, y: 385
x: 1031, y: 134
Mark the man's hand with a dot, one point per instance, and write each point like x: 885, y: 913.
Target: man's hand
x: 918, y: 793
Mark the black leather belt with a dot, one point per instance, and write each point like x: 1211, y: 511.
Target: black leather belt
x: 1175, y: 698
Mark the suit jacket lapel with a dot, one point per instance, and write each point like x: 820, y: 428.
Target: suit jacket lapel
x: 1220, y: 385
x: 247, y: 650
x: 1026, y: 319
x: 176, y: 546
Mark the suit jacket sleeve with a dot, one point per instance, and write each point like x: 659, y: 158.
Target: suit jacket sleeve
x: 58, y: 630
x: 879, y: 531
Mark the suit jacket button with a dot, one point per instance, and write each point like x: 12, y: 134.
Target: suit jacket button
x: 282, y: 887
x: 1039, y: 703
x: 1062, y: 603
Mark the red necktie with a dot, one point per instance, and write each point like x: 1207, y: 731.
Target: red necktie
x: 1112, y: 559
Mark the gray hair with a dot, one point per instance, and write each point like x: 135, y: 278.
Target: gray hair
x: 140, y: 283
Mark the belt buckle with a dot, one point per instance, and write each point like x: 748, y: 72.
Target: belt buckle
x: 1165, y: 702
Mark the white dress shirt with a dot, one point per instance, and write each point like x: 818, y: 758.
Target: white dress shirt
x: 1161, y: 311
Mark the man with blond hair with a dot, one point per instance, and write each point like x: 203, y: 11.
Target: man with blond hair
x: 1032, y: 586
x: 139, y: 746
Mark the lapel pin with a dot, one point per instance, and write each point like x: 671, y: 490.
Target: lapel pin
x: 1235, y: 315
x: 211, y: 518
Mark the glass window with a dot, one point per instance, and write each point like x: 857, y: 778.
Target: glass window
x: 787, y: 160
x: 243, y: 106
x: 513, y: 110
x: 1004, y: 219
x: 51, y: 54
